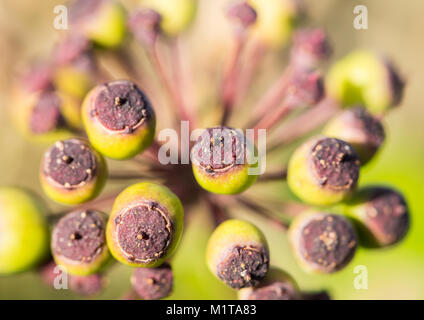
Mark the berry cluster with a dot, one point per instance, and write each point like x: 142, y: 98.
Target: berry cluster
x: 74, y: 102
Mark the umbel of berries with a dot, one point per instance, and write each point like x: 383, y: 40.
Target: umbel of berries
x: 24, y: 231
x: 238, y: 254
x: 323, y: 171
x: 119, y: 119
x: 322, y: 242
x: 145, y: 225
x: 72, y: 172
x: 221, y: 161
x: 79, y: 242
x: 277, y: 285
x: 381, y: 215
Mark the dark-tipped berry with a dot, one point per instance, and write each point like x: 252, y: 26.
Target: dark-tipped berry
x: 145, y: 225
x: 153, y: 283
x: 277, y: 285
x: 310, y: 48
x: 119, y: 119
x: 87, y: 286
x: 79, y: 242
x: 366, y: 79
x: 323, y: 171
x: 381, y: 215
x: 322, y: 242
x: 72, y: 172
x: 220, y: 161
x: 102, y: 21
x: 238, y: 254
x: 359, y: 128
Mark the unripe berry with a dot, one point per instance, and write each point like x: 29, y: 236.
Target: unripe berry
x: 176, y: 14
x: 366, y: 79
x: 24, y: 235
x: 322, y: 242
x: 79, y: 242
x: 74, y: 65
x: 72, y: 172
x: 237, y: 254
x: 119, y: 119
x: 145, y: 225
x: 323, y: 171
x: 87, y: 286
x: 276, y: 20
x: 102, y: 21
x: 277, y: 285
x: 153, y: 283
x: 310, y: 48
x: 359, y: 128
x: 39, y: 116
x: 381, y: 215
x: 220, y: 161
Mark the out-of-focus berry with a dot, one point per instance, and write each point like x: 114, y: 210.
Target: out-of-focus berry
x: 367, y: 79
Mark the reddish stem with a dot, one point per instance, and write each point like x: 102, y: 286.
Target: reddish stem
x: 305, y: 123
x: 254, y: 59
x: 173, y: 92
x: 229, y: 81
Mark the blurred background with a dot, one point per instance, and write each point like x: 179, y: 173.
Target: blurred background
x: 396, y: 28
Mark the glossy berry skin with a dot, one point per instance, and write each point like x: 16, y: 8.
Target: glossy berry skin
x: 220, y: 161
x: 79, y: 242
x: 323, y: 171
x: 364, y: 78
x: 380, y: 214
x: 322, y: 242
x: 102, y: 21
x: 72, y: 172
x: 276, y: 20
x: 153, y: 283
x: 237, y: 254
x: 277, y: 285
x: 145, y: 225
x: 24, y: 234
x: 118, y: 119
x: 177, y: 15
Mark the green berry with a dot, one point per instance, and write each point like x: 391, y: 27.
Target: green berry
x: 72, y: 172
x: 177, y: 15
x: 238, y: 254
x: 79, y: 242
x: 75, y: 65
x: 366, y: 79
x: 359, y: 128
x: 24, y: 235
x: 39, y: 116
x: 153, y: 283
x: 119, y: 119
x: 220, y: 162
x: 276, y: 20
x: 145, y: 225
x: 323, y: 171
x: 102, y: 21
x: 277, y: 285
x: 322, y: 242
x: 381, y: 216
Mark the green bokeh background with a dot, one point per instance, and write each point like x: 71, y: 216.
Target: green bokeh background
x: 396, y: 28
